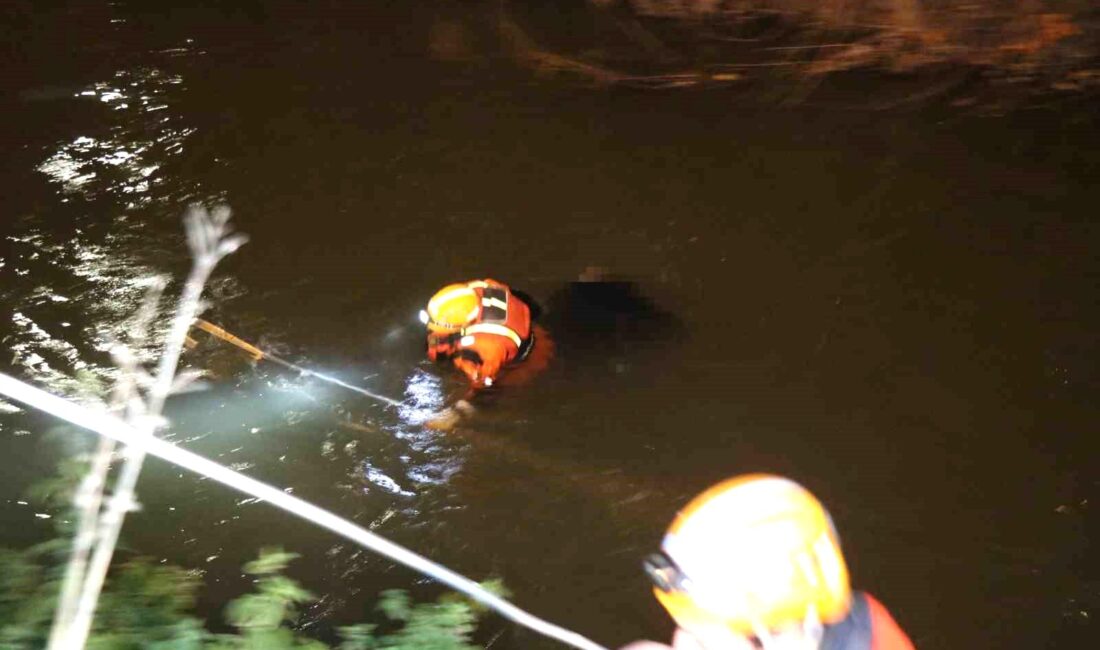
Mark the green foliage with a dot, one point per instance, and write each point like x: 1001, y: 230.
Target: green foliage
x: 26, y: 601
x: 262, y: 617
x: 443, y: 625
x: 271, y: 560
x: 433, y: 626
x: 57, y: 490
x: 145, y: 605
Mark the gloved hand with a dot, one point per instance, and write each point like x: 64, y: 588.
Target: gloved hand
x: 441, y: 346
x: 471, y: 369
x: 481, y: 378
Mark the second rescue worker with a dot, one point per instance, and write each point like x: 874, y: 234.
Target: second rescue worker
x: 480, y: 326
x: 754, y: 562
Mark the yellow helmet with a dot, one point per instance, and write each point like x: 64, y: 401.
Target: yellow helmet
x: 753, y: 552
x: 451, y: 308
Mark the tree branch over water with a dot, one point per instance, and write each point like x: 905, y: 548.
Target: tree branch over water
x: 210, y: 240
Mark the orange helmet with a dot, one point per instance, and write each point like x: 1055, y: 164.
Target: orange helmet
x: 451, y: 308
x: 753, y: 553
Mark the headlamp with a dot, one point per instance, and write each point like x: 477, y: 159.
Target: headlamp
x: 664, y: 573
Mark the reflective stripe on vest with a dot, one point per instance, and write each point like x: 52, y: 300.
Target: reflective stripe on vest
x: 494, y: 305
x: 495, y: 328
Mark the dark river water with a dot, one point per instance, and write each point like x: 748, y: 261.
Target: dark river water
x: 897, y: 309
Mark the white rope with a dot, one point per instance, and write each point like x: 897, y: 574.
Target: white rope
x: 333, y: 380
x: 112, y: 427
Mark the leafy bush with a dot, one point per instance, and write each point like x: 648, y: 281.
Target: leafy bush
x: 148, y: 606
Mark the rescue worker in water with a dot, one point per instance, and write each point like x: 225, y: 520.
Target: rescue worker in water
x: 754, y: 562
x: 480, y: 326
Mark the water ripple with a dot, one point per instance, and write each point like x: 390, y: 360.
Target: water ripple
x: 125, y: 159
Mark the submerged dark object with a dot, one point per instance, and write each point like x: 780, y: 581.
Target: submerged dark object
x: 609, y: 312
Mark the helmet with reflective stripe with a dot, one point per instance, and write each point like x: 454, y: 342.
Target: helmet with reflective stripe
x: 452, y: 308
x: 753, y: 553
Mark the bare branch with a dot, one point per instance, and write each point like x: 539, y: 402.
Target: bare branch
x: 208, y: 235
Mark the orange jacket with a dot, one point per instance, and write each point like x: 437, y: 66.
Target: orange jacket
x: 498, y: 335
x: 886, y: 634
x: 867, y: 627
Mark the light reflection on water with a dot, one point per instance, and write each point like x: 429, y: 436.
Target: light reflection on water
x: 423, y: 397
x: 103, y: 287
x: 122, y: 162
x: 94, y: 279
x: 389, y: 452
